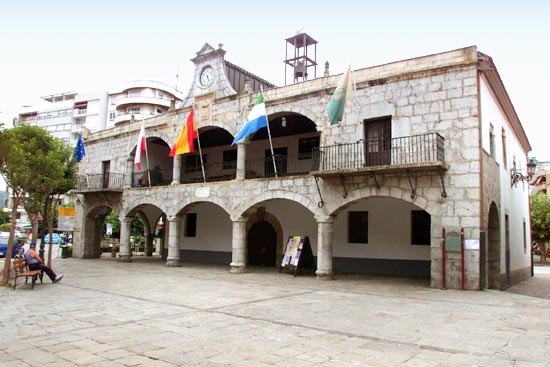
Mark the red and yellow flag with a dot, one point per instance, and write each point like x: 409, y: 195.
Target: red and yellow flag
x: 185, y: 143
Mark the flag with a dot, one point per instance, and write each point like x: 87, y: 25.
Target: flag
x: 185, y: 143
x: 335, y: 107
x: 257, y: 118
x: 141, y: 146
x: 79, y: 151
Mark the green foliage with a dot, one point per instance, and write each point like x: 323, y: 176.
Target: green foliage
x: 137, y: 227
x: 5, y: 227
x: 111, y: 218
x: 540, y: 218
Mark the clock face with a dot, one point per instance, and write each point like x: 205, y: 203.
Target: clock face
x: 207, y: 76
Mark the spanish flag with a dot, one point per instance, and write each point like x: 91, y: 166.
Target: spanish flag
x: 186, y: 139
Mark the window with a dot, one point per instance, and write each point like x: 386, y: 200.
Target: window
x: 191, y: 225
x: 492, y: 141
x: 504, y: 159
x: 230, y: 159
x: 133, y: 109
x: 524, y: 237
x: 193, y: 163
x: 111, y: 116
x: 305, y: 147
x: 420, y: 227
x: 159, y: 111
x: 358, y: 227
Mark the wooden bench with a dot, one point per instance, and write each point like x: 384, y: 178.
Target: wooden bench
x: 22, y: 270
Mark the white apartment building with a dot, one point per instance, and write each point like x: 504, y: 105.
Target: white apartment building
x: 141, y: 99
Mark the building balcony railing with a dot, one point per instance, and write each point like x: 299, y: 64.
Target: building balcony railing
x: 287, y: 165
x: 159, y: 177
x: 412, y: 152
x: 100, y: 182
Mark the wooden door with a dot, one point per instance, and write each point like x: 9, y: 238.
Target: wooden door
x: 378, y: 142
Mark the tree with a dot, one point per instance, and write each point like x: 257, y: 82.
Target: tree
x: 32, y: 163
x: 62, y: 179
x: 22, y: 150
x: 540, y: 221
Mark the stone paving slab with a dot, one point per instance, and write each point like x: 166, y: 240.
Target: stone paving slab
x: 106, y: 313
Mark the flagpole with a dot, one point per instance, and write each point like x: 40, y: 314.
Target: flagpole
x: 146, y: 155
x: 270, y: 142
x: 200, y: 151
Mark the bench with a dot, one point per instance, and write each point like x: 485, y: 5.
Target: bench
x: 22, y: 270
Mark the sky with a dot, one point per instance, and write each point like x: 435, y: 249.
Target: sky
x: 48, y: 47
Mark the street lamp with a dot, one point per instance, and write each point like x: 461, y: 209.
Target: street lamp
x: 517, y: 176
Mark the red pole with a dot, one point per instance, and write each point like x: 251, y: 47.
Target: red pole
x: 443, y: 258
x: 462, y: 254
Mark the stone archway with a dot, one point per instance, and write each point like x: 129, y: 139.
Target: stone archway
x: 493, y: 248
x: 261, y: 220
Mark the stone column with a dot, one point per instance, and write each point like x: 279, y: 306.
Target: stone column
x: 324, y: 248
x: 239, y: 252
x: 125, y: 255
x: 174, y: 228
x: 129, y: 179
x: 241, y: 161
x: 176, y: 170
x: 149, y: 244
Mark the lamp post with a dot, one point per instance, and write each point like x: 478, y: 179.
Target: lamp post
x: 517, y: 176
x: 5, y: 211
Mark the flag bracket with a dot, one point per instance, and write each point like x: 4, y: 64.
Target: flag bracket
x: 443, y: 191
x: 375, y: 180
x: 413, y: 189
x: 343, y: 181
x: 321, y: 202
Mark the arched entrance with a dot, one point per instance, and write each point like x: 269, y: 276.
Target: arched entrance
x: 262, y: 244
x: 493, y: 249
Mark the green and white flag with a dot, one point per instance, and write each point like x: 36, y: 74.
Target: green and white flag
x: 335, y: 107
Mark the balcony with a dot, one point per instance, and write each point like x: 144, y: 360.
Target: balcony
x: 142, y: 100
x: 412, y: 153
x: 100, y: 182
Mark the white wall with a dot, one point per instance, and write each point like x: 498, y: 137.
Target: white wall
x: 514, y: 200
x: 389, y: 231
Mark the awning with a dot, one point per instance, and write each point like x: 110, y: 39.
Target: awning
x: 81, y: 105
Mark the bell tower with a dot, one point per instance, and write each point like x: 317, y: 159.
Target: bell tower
x: 301, y: 58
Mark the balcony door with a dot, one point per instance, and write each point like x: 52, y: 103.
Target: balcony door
x: 378, y: 141
x: 106, y: 173
x: 280, y: 161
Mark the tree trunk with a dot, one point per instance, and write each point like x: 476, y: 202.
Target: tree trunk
x: 7, y: 260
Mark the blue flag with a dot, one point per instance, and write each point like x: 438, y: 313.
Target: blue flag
x: 79, y: 151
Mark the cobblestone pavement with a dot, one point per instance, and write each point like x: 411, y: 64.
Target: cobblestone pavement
x: 106, y: 313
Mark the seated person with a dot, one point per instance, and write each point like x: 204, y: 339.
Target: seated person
x: 35, y: 262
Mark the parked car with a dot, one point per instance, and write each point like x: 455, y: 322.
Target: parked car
x: 55, y: 238
x: 4, y: 238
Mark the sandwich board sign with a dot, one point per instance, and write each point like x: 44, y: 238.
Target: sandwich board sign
x: 298, y: 255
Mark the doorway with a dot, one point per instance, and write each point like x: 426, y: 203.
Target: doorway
x: 378, y: 142
x: 262, y: 244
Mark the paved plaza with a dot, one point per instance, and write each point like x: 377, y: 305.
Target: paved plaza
x: 107, y: 313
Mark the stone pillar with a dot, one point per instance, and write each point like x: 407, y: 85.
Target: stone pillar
x: 324, y: 248
x: 239, y: 252
x: 176, y: 170
x: 241, y: 162
x: 149, y: 244
x: 174, y: 228
x: 125, y: 226
x: 129, y: 179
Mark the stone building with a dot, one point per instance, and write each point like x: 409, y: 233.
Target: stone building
x: 424, y: 152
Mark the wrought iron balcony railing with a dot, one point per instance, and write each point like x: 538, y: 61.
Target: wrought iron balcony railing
x: 100, y: 181
x: 409, y: 151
